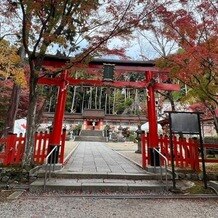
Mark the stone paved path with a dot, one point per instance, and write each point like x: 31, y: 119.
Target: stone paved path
x: 96, y: 157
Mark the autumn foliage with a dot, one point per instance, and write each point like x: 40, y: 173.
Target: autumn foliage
x: 10, y: 64
x: 194, y: 27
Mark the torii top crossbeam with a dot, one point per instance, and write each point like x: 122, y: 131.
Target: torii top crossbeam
x: 95, y: 67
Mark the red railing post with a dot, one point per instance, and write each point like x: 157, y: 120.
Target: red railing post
x: 41, y: 147
x: 10, y: 149
x: 63, y: 139
x: 196, y: 155
x: 45, y: 146
x: 180, y: 152
x: 19, y: 149
x: 38, y: 146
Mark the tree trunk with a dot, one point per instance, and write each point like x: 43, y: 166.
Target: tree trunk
x: 96, y: 97
x: 83, y: 101
x: 109, y: 103
x: 12, y: 110
x: 27, y: 161
x: 105, y: 104
x: 99, y: 100
x: 90, y: 99
x: 172, y: 103
x: 50, y: 104
x: 136, y: 100
x: 114, y: 100
x: 73, y: 100
x: 215, y: 118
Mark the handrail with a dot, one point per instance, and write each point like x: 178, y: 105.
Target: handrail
x: 166, y: 164
x: 50, y: 155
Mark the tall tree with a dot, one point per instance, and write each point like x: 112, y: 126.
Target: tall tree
x: 193, y: 25
x: 12, y: 73
x: 77, y: 28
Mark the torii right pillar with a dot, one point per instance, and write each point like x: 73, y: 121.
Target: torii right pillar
x: 153, y: 156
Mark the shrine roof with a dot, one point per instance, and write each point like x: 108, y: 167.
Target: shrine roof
x: 99, y: 61
x: 93, y: 113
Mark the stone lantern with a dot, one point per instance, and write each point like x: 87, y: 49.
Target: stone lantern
x: 138, y: 137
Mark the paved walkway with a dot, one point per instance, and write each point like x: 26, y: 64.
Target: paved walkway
x: 96, y: 167
x: 96, y: 157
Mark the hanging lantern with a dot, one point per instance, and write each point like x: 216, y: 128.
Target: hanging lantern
x: 108, y: 72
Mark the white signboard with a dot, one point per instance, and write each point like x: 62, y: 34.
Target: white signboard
x: 20, y: 126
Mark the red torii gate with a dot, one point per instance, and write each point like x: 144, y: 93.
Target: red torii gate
x: 64, y: 80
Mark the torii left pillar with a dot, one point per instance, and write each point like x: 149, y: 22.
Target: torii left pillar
x: 55, y: 137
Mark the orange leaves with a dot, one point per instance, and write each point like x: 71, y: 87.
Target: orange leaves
x: 10, y: 64
x: 193, y: 26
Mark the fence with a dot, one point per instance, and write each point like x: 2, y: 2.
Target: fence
x: 186, y: 151
x: 12, y: 148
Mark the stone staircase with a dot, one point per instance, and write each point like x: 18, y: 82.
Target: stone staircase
x: 95, y: 167
x: 91, y: 135
x: 100, y: 182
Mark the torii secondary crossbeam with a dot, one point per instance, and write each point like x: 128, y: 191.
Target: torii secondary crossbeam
x: 95, y: 67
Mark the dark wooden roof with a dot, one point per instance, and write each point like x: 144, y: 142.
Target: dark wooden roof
x: 93, y: 113
x: 101, y: 61
x: 109, y: 118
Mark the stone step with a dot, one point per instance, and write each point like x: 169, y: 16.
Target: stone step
x: 91, y: 133
x: 87, y: 175
x: 97, y: 185
x: 90, y: 138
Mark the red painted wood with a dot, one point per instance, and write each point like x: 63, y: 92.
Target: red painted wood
x: 59, y: 112
x: 45, y: 146
x: 62, y: 147
x: 50, y: 81
x: 152, y: 118
x: 185, y: 151
x: 38, y: 146
x: 19, y: 149
x: 41, y: 147
x: 13, y: 151
x: 166, y: 86
x: 11, y: 142
x: 101, y: 83
x: 209, y: 160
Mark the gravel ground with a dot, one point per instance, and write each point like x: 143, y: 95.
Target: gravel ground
x: 4, y: 194
x: 106, y: 208
x: 54, y: 205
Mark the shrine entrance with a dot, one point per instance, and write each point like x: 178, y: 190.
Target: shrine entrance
x: 93, y: 119
x: 106, y: 73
